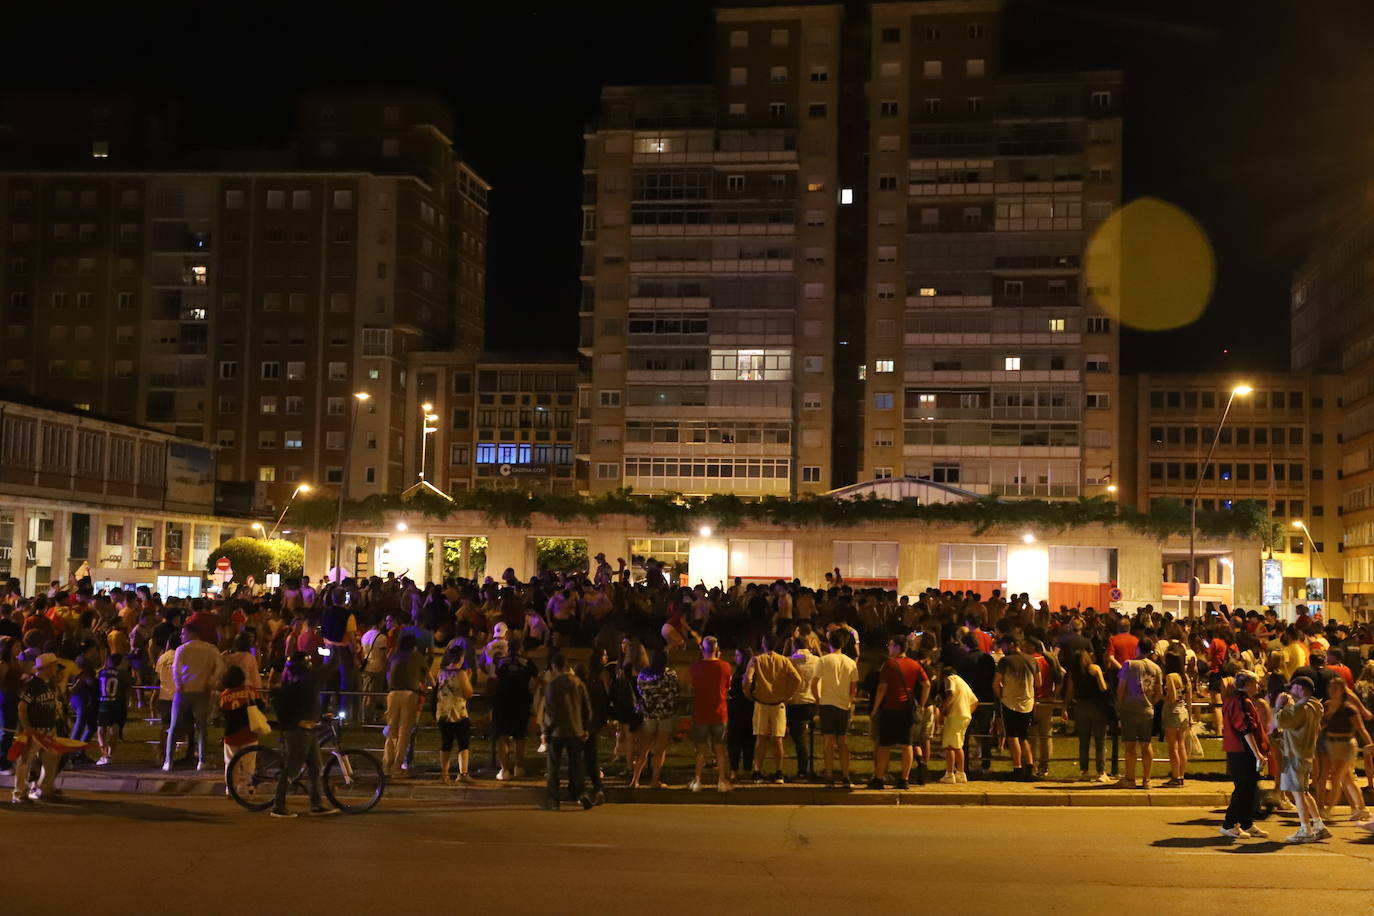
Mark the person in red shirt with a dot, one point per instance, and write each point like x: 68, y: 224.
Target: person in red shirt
x: 710, y: 686
x: 1336, y: 662
x: 902, y: 687
x: 1121, y: 648
x: 1243, y: 740
x: 204, y: 621
x: 1216, y: 661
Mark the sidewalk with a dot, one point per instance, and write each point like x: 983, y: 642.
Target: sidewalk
x: 530, y: 791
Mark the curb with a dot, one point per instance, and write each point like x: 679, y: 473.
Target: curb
x: 739, y: 797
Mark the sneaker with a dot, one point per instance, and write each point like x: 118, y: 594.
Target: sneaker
x: 949, y: 779
x: 501, y: 775
x: 1236, y: 833
x: 276, y: 813
x: 723, y: 786
x: 103, y: 761
x: 1359, y: 817
x: 585, y: 801
x: 1302, y: 836
x: 1322, y: 833
x: 1257, y: 832
x: 1084, y: 777
x: 777, y: 778
x: 694, y: 785
x: 322, y: 811
x: 167, y: 767
x: 1104, y: 779
x: 756, y: 776
x: 961, y: 778
x: 599, y: 798
x: 875, y: 783
x: 20, y: 800
x: 900, y: 783
x: 1125, y: 783
x: 543, y: 747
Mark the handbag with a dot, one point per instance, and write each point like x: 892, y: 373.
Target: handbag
x: 257, y: 721
x: 1194, y: 742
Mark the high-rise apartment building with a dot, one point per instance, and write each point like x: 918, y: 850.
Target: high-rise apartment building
x: 242, y: 298
x: 1332, y: 316
x: 856, y: 254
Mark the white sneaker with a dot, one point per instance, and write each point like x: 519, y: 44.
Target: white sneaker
x: 543, y: 747
x: 1104, y: 778
x: 167, y: 767
x: 961, y: 777
x: 694, y: 785
x: 949, y: 779
x: 1359, y: 817
x: 723, y: 786
x: 1236, y: 833
x: 1302, y: 836
x: 501, y: 775
x: 103, y: 761
x: 1257, y: 832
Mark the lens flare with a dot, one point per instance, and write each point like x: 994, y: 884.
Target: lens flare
x: 1151, y: 266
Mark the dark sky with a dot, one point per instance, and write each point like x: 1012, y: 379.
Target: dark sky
x: 1246, y: 113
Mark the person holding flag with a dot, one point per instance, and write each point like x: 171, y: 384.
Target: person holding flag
x: 40, y: 713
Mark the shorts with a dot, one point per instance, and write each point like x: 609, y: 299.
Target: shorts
x: 1214, y: 680
x: 109, y: 714
x: 565, y: 626
x: 894, y: 727
x: 955, y: 729
x: 1016, y: 724
x: 770, y: 720
x: 1296, y: 776
x: 659, y: 726
x: 1137, y: 727
x: 834, y: 720
x: 713, y: 733
x: 1340, y: 750
x: 1175, y: 715
x: 460, y: 731
x: 510, y: 722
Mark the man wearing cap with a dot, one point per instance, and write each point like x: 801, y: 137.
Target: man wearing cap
x: 1298, y: 718
x: 40, y: 711
x: 1246, y: 756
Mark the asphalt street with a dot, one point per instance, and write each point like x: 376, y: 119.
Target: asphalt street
x: 205, y: 856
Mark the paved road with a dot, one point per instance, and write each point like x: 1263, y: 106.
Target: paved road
x: 205, y: 856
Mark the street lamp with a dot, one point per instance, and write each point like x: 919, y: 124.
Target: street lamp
x: 257, y: 526
x: 303, y: 488
x: 358, y: 398
x: 427, y: 416
x: 1311, y: 557
x: 1241, y: 390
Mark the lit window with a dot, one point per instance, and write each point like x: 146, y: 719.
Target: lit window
x: 100, y: 149
x: 927, y: 291
x: 884, y: 365
x: 1056, y: 324
x: 1013, y: 363
x: 846, y: 196
x: 267, y: 474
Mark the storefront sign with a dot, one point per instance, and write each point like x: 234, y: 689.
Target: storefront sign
x: 1272, y: 591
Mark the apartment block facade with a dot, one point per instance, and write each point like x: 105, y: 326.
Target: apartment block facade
x: 241, y: 299
x: 1332, y: 318
x: 856, y: 254
x: 1280, y: 447
x: 501, y: 421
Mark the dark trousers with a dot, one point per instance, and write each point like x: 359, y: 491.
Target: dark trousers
x: 302, y: 748
x: 981, y: 726
x: 1240, y: 767
x: 800, y: 720
x: 591, y: 765
x: 572, y: 749
x: 1090, y: 724
x: 339, y: 676
x: 739, y: 740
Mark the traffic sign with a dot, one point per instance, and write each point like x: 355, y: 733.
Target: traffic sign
x: 1114, y: 594
x: 222, y: 564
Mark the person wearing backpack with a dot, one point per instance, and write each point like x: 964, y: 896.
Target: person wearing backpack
x: 1139, y: 686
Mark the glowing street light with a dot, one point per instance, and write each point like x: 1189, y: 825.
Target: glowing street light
x: 302, y: 488
x: 358, y: 398
x: 257, y: 526
x: 1237, y: 391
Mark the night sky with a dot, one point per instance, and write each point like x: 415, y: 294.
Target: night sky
x: 1249, y: 115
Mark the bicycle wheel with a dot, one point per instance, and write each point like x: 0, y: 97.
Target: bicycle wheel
x: 254, y: 773
x: 353, y: 780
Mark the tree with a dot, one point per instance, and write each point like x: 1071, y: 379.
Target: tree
x: 560, y: 554
x: 257, y: 557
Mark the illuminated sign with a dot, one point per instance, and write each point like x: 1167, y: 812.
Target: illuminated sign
x: 1272, y: 592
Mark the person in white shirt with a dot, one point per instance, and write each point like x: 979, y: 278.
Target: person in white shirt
x: 957, y: 711
x: 837, y: 680
x: 196, y: 670
x: 375, y: 645
x: 801, y: 706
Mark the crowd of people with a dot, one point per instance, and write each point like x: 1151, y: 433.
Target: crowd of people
x: 575, y: 658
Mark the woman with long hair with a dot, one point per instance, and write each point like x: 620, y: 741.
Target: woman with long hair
x: 739, y: 728
x: 1343, y: 718
x: 1364, y: 690
x: 1091, y: 701
x: 1176, y: 717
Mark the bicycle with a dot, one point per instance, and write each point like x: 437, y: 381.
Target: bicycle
x: 352, y: 778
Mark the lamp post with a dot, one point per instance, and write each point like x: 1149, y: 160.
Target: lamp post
x: 303, y: 488
x: 1192, y: 522
x: 358, y: 398
x: 1311, y: 557
x: 427, y: 416
x: 257, y: 526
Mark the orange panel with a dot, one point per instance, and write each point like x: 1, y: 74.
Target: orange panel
x: 982, y: 587
x: 1076, y: 594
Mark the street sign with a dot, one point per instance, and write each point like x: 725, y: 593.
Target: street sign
x: 1114, y: 594
x: 222, y: 564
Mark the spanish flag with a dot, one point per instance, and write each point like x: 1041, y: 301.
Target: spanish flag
x: 51, y: 743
